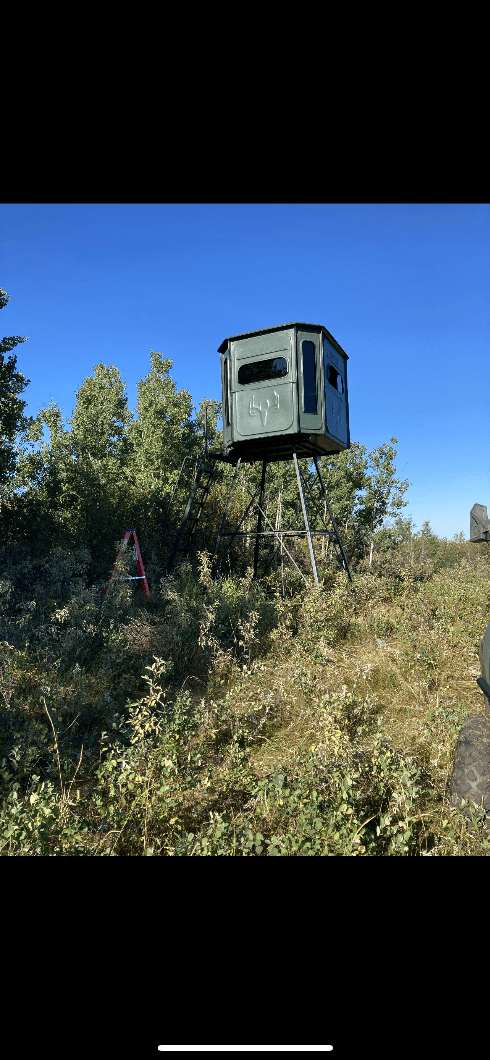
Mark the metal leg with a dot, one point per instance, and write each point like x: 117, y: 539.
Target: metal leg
x: 305, y: 517
x: 242, y: 520
x: 259, y: 522
x: 267, y: 520
x: 225, y: 513
x: 330, y: 512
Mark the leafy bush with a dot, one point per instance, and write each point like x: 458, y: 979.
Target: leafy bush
x: 221, y: 719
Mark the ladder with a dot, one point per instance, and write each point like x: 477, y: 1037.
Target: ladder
x: 140, y: 576
x: 198, y: 497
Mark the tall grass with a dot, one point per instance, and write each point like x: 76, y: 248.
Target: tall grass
x: 234, y: 717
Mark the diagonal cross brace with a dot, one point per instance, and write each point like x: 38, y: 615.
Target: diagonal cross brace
x: 305, y: 517
x: 330, y: 512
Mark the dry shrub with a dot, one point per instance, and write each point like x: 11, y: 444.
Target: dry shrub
x: 324, y: 724
x: 327, y: 616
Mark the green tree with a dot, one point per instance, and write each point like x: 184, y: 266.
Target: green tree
x: 362, y: 489
x: 101, y: 420
x: 96, y: 458
x: 165, y: 436
x: 85, y: 485
x: 345, y: 477
x: 384, y: 494
x: 163, y: 431
x: 12, y: 383
x: 79, y: 477
x: 44, y: 463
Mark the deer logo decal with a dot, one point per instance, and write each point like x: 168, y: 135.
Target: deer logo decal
x: 257, y: 410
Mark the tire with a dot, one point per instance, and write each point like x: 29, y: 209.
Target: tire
x: 471, y: 770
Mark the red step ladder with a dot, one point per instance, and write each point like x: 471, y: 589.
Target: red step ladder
x: 141, y: 576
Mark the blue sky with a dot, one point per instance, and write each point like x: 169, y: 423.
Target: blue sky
x: 403, y: 287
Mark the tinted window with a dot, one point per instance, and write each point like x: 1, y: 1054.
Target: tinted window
x: 335, y: 379
x: 309, y: 377
x: 259, y: 371
x: 225, y: 395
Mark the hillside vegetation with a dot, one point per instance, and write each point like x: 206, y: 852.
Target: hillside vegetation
x: 226, y: 715
x: 221, y: 719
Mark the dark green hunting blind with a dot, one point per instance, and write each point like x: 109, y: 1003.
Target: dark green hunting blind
x: 284, y: 397
x: 284, y: 386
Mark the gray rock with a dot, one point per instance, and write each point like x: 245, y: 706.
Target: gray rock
x: 479, y: 523
x: 471, y: 770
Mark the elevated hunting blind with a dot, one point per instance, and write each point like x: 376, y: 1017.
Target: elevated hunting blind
x: 284, y: 386
x: 284, y: 396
